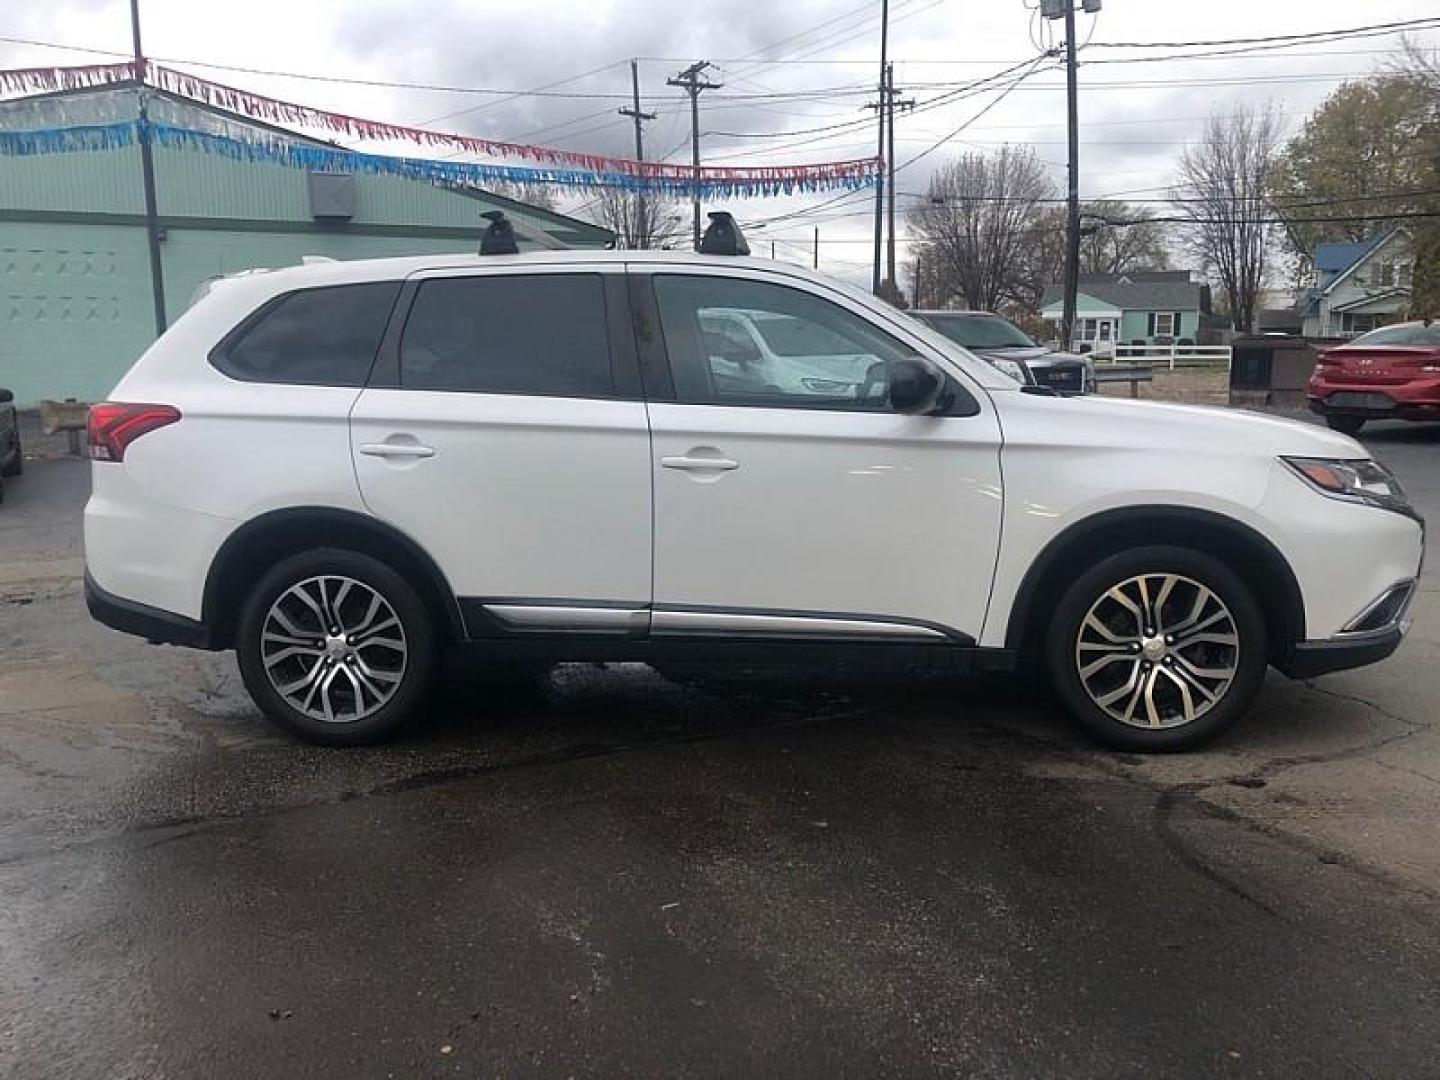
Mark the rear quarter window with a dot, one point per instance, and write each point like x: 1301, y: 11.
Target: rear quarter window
x: 314, y: 337
x: 543, y: 334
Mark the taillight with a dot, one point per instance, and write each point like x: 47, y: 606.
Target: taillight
x: 114, y: 425
x: 1326, y: 360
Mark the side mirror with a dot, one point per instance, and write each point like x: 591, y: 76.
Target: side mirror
x: 916, y: 386
x: 6, y: 397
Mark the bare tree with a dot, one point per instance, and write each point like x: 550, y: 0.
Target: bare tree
x: 1039, y: 262
x: 660, y: 224
x: 530, y: 194
x: 1225, y: 177
x: 1117, y: 238
x: 980, y: 214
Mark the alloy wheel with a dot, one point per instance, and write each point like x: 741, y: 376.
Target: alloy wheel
x: 333, y: 648
x: 1157, y: 651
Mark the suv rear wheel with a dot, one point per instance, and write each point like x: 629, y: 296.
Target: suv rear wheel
x: 1157, y: 648
x: 336, y: 647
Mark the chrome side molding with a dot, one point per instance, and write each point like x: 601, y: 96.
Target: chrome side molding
x: 747, y: 624
x: 555, y: 618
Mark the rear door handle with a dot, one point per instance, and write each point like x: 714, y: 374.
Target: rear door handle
x: 694, y: 464
x: 385, y: 449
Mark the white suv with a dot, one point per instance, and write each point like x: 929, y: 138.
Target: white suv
x: 341, y: 470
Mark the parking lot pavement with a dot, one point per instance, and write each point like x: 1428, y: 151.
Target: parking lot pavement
x: 741, y: 873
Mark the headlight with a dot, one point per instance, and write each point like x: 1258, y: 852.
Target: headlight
x: 1011, y: 368
x: 1366, y: 482
x: 828, y: 386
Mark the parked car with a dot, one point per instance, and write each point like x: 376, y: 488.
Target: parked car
x: 341, y: 470
x: 996, y: 339
x: 1392, y: 373
x: 761, y: 350
x: 12, y: 461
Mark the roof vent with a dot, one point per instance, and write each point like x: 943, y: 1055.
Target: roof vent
x: 723, y: 236
x: 499, y: 238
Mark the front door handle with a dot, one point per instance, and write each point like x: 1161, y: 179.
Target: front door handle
x: 699, y: 464
x: 398, y: 450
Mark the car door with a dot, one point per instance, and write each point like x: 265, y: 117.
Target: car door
x: 504, y: 431
x: 787, y: 512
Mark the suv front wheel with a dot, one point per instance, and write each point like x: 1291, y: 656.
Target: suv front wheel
x: 1157, y: 648
x: 336, y: 647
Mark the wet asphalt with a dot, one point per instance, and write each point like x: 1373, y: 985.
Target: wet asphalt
x: 610, y: 872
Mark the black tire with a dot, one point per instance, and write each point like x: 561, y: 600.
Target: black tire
x: 1232, y: 699
x: 16, y: 465
x: 418, y: 634
x: 1346, y: 425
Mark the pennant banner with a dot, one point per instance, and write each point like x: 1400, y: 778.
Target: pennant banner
x: 806, y: 177
x: 67, y: 140
x: 314, y: 158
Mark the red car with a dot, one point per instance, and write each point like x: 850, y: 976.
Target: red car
x: 1392, y: 373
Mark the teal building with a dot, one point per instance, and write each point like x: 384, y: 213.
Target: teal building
x: 76, y: 305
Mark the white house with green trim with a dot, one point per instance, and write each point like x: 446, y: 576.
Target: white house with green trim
x: 75, y: 288
x: 1152, y: 307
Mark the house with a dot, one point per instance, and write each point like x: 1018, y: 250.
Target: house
x: 76, y: 299
x: 1358, y: 286
x: 1156, y: 307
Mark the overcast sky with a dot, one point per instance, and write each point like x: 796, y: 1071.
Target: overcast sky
x: 1135, y: 117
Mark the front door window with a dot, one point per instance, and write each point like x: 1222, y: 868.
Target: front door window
x: 735, y: 342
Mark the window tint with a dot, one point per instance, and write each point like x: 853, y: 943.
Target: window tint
x: 324, y: 336
x: 734, y: 342
x: 520, y: 334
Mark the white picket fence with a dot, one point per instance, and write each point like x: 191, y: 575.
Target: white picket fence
x: 1170, y: 355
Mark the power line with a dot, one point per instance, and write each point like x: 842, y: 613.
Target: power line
x: 1311, y: 36
x: 1034, y: 65
x: 965, y: 91
x: 1256, y: 52
x: 1277, y: 202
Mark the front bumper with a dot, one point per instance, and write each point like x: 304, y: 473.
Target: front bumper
x: 1311, y: 658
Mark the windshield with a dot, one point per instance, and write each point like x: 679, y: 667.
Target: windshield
x: 980, y: 331
x: 798, y: 337
x: 1404, y: 334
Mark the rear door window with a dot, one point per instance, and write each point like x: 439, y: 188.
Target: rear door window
x: 315, y: 337
x: 542, y: 334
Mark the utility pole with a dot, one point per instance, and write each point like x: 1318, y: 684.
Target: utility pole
x: 915, y: 293
x: 817, y: 247
x: 880, y: 152
x: 642, y: 236
x: 147, y: 178
x: 890, y: 104
x: 691, y: 82
x: 1072, y: 197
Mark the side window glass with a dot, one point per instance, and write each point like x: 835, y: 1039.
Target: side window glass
x: 326, y: 337
x: 735, y: 342
x: 513, y: 334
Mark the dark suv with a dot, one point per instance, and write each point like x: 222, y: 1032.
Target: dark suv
x: 993, y: 337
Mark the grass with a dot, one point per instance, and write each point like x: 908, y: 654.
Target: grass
x: 1208, y: 385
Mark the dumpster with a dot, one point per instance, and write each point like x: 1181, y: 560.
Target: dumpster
x: 1271, y: 371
